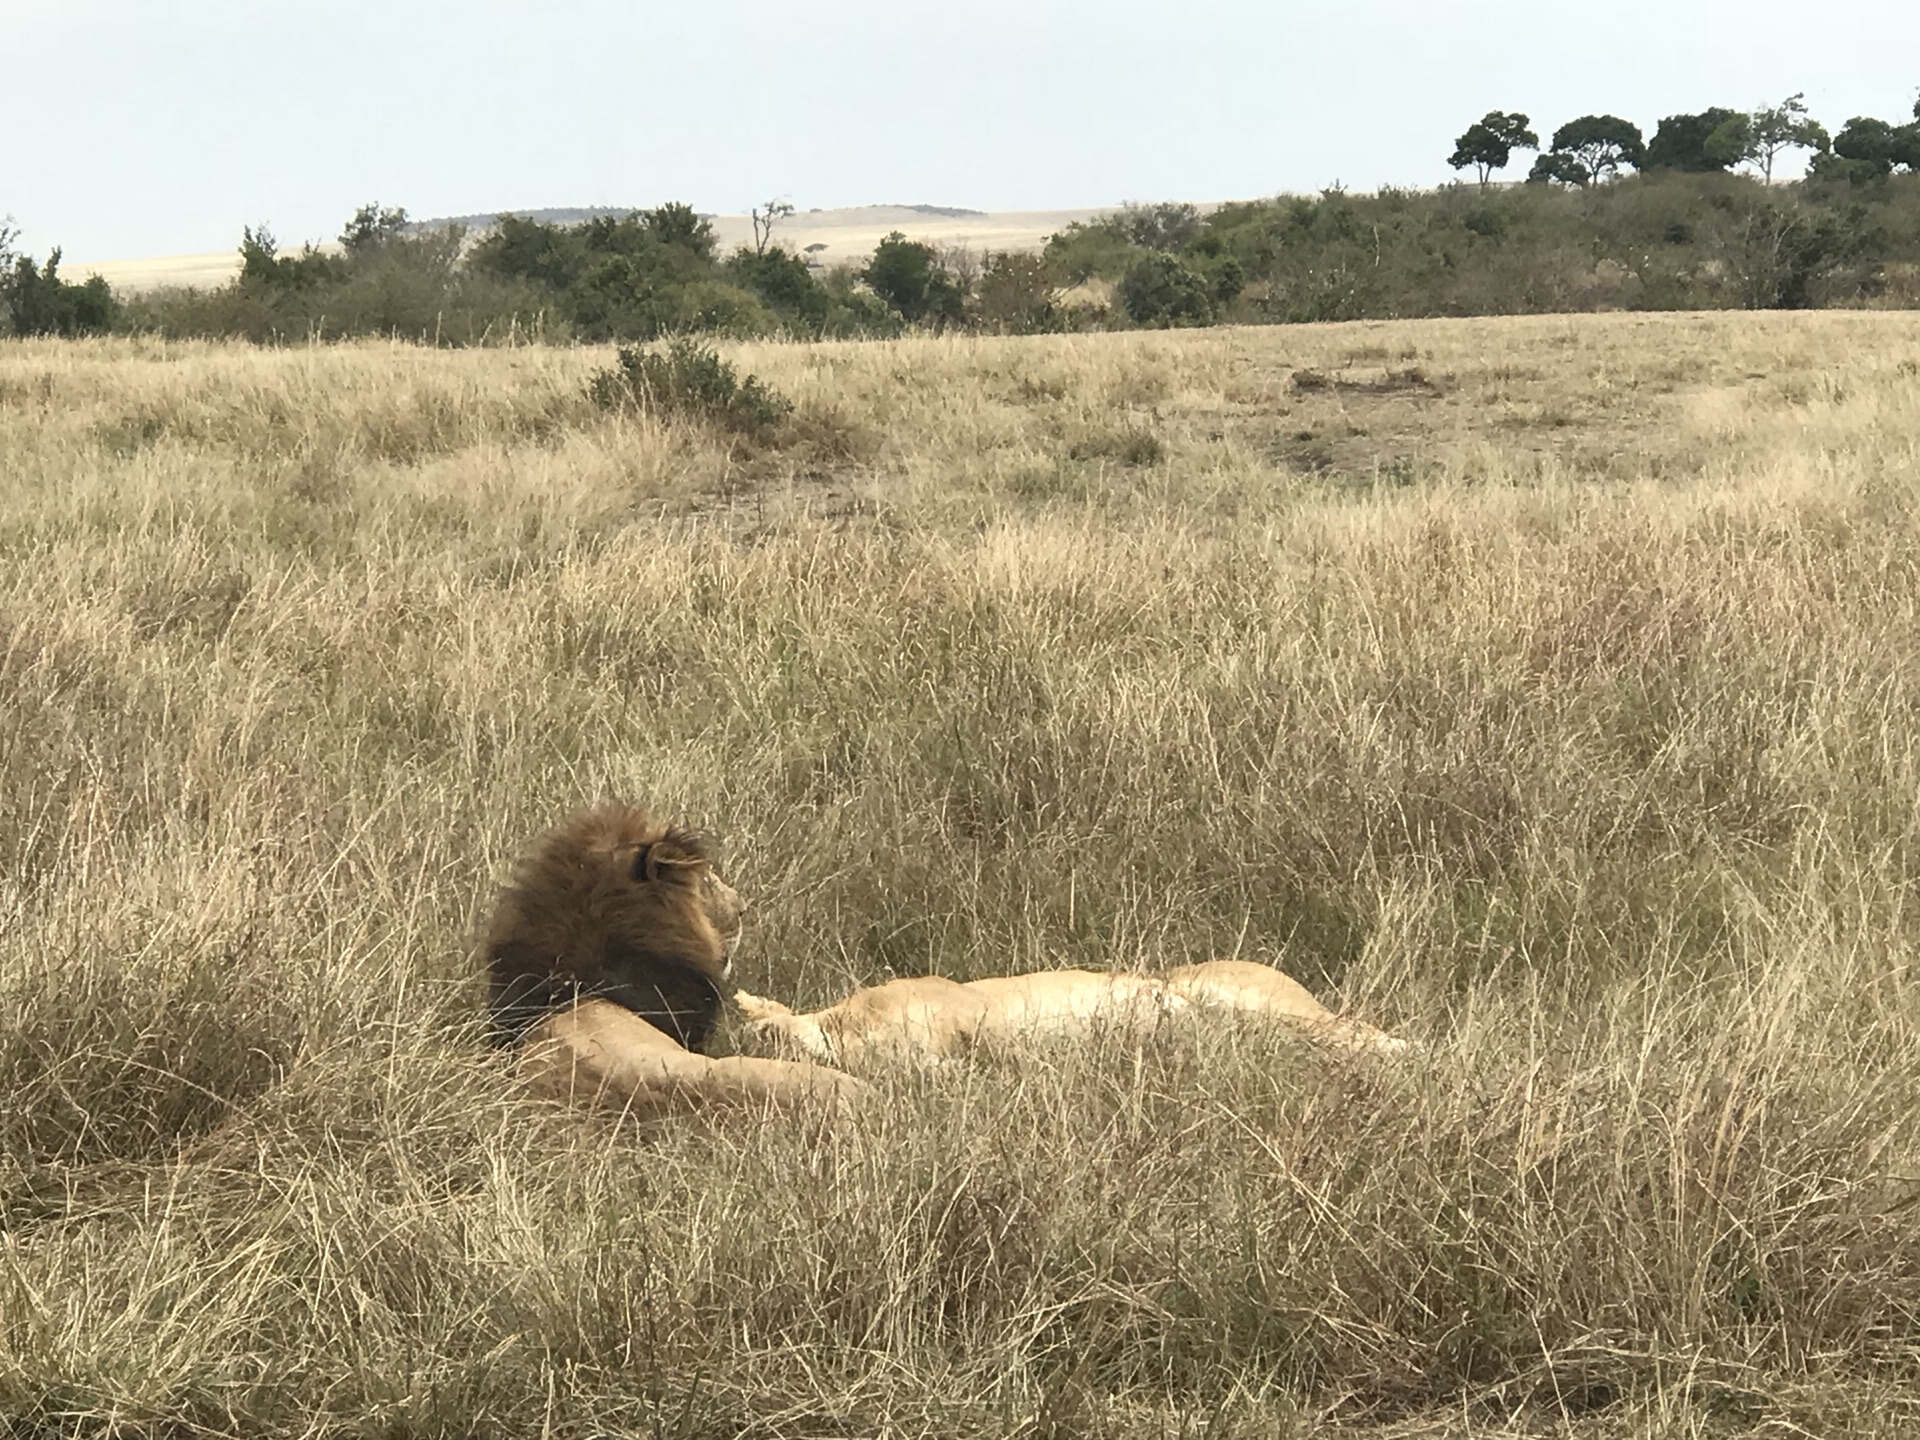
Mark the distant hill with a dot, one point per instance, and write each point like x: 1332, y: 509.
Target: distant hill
x: 551, y: 215
x: 578, y: 215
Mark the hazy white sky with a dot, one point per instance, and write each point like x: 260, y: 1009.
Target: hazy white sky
x: 132, y: 128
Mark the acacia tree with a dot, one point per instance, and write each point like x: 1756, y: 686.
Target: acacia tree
x: 1867, y: 149
x: 1598, y: 144
x: 1490, y: 142
x: 1757, y: 138
x: 1558, y: 167
x: 371, y: 227
x: 1683, y: 142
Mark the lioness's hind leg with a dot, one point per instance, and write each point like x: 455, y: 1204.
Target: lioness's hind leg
x: 1253, y: 988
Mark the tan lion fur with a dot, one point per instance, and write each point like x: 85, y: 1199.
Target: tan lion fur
x: 931, y: 1018
x: 601, y: 1054
x: 605, y: 958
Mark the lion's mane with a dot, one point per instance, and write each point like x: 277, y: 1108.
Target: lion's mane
x: 612, y: 905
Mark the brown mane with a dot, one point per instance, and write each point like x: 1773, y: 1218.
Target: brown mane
x: 611, y: 905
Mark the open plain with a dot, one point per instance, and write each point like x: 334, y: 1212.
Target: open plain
x: 1543, y: 690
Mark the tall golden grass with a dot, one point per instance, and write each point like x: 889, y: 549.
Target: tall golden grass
x: 1544, y: 690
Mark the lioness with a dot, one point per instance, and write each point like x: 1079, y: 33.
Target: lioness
x: 933, y: 1018
x: 605, y: 958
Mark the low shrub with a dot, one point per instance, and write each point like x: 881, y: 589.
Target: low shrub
x: 691, y: 381
x: 1160, y: 289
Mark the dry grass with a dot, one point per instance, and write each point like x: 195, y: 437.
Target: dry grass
x: 1545, y: 689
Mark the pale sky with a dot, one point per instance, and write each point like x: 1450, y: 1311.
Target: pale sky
x: 138, y: 128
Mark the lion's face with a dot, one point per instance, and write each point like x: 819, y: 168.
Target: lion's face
x: 725, y: 910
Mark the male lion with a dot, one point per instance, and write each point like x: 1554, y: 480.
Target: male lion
x: 933, y: 1018
x: 605, y: 958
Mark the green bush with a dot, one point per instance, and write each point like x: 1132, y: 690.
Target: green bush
x: 691, y: 381
x: 1160, y: 290
x: 641, y: 276
x: 909, y: 277
x: 371, y: 228
x: 654, y: 273
x: 262, y: 264
x: 785, y: 286
x: 413, y: 286
x: 853, y: 310
x: 1666, y: 240
x: 554, y: 256
x: 1089, y: 248
x: 34, y: 300
x: 1166, y: 226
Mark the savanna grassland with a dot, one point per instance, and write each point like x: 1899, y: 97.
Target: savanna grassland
x: 1544, y: 690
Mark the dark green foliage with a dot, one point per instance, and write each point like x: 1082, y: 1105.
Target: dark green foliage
x: 34, y: 300
x: 1088, y: 248
x: 785, y: 285
x: 654, y: 273
x: 681, y: 226
x: 1224, y: 273
x: 1869, y: 149
x: 1601, y: 144
x: 643, y: 295
x: 856, y: 310
x: 909, y: 277
x: 639, y: 276
x: 1671, y: 241
x: 372, y: 227
x: 1169, y: 226
x: 1758, y: 139
x: 262, y: 264
x: 1558, y: 167
x: 642, y: 280
x: 1160, y: 290
x: 551, y: 255
x: 1490, y: 142
x: 1225, y: 277
x: 1108, y: 245
x: 692, y: 382
x: 1695, y: 143
x: 414, y: 286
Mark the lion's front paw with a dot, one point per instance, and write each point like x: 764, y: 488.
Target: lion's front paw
x: 758, y: 1009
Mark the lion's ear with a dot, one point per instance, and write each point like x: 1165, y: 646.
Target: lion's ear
x: 672, y: 852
